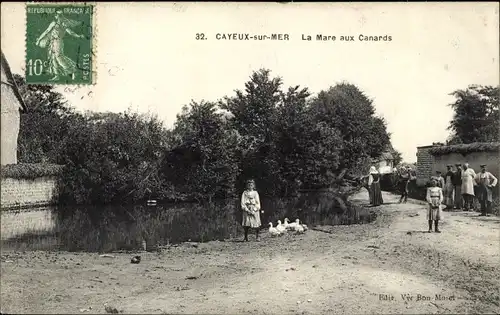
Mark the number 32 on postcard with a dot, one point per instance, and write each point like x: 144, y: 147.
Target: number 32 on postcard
x: 59, y: 44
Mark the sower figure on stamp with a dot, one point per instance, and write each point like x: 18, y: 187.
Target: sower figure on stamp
x: 457, y: 186
x: 250, y: 204
x: 53, y: 39
x: 486, y: 181
x: 434, y: 198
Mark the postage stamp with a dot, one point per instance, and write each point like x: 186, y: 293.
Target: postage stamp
x: 59, y: 44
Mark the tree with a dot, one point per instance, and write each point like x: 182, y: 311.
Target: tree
x: 201, y: 163
x: 476, y: 115
x: 308, y: 151
x: 44, y: 127
x: 398, y: 158
x: 255, y: 115
x: 112, y: 158
x: 347, y: 109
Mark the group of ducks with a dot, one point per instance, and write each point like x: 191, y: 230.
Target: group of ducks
x: 280, y: 229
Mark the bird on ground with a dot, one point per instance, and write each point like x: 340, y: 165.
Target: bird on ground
x: 280, y: 227
x: 290, y: 226
x: 272, y: 230
x: 299, y: 228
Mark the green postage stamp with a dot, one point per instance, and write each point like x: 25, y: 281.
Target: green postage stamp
x: 59, y: 44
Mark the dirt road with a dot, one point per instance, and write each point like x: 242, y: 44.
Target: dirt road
x: 389, y: 266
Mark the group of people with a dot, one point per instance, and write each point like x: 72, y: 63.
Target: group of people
x: 461, y: 185
x: 458, y: 188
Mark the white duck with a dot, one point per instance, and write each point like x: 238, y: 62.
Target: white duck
x: 272, y: 230
x: 281, y: 228
x: 290, y: 226
x: 299, y: 228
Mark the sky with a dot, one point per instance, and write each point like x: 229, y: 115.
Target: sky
x: 147, y: 58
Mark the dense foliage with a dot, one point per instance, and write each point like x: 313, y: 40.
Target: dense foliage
x: 476, y: 115
x: 281, y: 137
x: 44, y: 127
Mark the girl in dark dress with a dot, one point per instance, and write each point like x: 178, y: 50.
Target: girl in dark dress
x: 374, y: 184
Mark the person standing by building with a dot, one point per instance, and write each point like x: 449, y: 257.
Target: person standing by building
x: 435, y: 199
x: 457, y: 186
x: 468, y: 176
x: 486, y: 181
x: 448, y: 187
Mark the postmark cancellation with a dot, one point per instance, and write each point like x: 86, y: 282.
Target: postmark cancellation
x: 60, y: 44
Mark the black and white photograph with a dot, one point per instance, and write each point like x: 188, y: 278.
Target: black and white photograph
x: 250, y: 158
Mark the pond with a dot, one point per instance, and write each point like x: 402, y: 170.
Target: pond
x: 114, y: 228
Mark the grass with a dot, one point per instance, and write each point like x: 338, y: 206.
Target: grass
x: 124, y: 228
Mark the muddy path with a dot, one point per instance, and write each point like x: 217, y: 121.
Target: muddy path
x: 388, y: 266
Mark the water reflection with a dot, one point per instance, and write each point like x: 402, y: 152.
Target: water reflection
x: 109, y: 228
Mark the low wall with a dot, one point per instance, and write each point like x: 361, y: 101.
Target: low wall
x: 428, y: 162
x: 475, y: 159
x: 20, y: 193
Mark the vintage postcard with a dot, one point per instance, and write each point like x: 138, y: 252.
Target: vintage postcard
x: 237, y: 158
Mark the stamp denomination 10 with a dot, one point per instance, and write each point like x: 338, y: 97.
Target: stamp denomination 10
x: 59, y: 41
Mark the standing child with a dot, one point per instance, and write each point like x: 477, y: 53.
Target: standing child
x: 250, y: 204
x: 434, y: 198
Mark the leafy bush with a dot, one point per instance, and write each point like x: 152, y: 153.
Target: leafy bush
x: 112, y: 158
x: 31, y: 170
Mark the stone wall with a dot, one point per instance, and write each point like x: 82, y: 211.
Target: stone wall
x: 425, y: 164
x: 20, y: 193
x: 475, y: 159
x: 428, y: 164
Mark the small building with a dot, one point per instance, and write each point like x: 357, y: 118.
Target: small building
x: 436, y: 157
x: 12, y: 104
x: 385, y: 163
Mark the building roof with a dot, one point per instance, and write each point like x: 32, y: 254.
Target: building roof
x: 386, y: 156
x: 12, y: 82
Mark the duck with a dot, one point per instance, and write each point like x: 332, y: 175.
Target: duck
x: 272, y: 230
x: 290, y: 226
x: 299, y: 227
x: 286, y: 223
x: 281, y: 228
